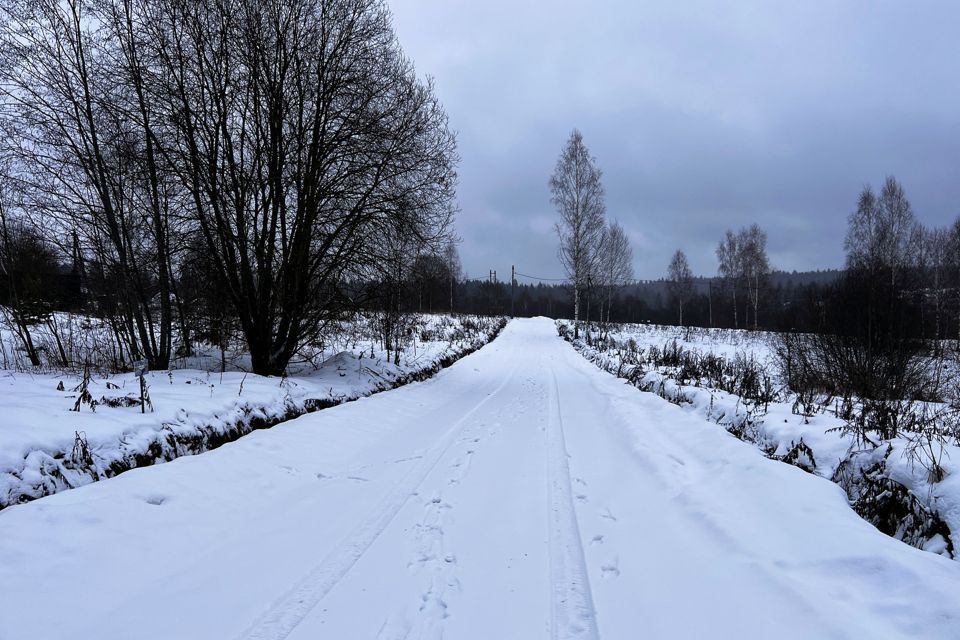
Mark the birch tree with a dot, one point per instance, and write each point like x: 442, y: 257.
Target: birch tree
x: 577, y: 193
x: 883, y: 233
x: 679, y: 280
x: 755, y: 266
x: 883, y: 240
x: 728, y: 256
x: 744, y: 265
x: 451, y: 258
x: 615, y: 263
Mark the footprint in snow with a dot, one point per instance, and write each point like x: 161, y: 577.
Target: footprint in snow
x: 606, y: 515
x: 597, y: 539
x: 454, y: 584
x: 610, y: 571
x: 581, y: 497
x: 677, y: 460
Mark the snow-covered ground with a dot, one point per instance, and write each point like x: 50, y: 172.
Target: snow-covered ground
x: 727, y: 343
x: 46, y: 446
x: 521, y: 493
x: 812, y: 439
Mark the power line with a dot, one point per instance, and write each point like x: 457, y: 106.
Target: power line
x: 523, y: 275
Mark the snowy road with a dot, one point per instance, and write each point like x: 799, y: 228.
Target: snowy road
x: 520, y: 494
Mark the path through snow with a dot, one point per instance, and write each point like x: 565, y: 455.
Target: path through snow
x: 520, y: 494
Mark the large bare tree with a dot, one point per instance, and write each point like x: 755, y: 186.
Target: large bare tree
x: 293, y: 137
x: 577, y: 192
x: 304, y: 136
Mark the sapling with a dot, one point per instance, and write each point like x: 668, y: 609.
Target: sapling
x: 145, y: 400
x: 83, y: 390
x: 81, y: 449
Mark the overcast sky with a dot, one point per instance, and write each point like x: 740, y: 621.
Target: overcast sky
x: 703, y: 116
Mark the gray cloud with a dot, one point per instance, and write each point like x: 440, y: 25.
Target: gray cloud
x: 703, y: 115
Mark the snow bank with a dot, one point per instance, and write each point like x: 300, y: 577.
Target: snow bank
x: 46, y: 446
x: 885, y: 484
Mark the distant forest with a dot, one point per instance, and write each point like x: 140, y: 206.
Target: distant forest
x: 641, y: 302
x: 60, y: 287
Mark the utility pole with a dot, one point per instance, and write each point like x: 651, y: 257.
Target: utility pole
x: 513, y: 282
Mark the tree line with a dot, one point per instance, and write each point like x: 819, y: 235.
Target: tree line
x: 884, y: 241
x: 214, y: 168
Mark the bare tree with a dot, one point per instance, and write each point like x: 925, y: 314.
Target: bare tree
x: 73, y: 80
x: 399, y: 252
x: 883, y: 233
x: 615, y: 268
x: 744, y: 264
x: 679, y: 280
x: 577, y: 192
x: 755, y: 266
x: 862, y: 241
x: 868, y: 346
x: 935, y: 262
x: 730, y: 267
x: 882, y: 241
x: 24, y: 259
x: 294, y: 138
x: 953, y: 260
x: 302, y: 136
x: 451, y: 258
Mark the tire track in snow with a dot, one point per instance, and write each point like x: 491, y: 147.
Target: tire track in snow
x: 684, y: 472
x: 572, y: 614
x: 286, y: 613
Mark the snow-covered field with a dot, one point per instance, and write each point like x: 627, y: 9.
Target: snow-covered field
x: 727, y: 343
x: 46, y: 446
x: 809, y: 437
x: 521, y: 493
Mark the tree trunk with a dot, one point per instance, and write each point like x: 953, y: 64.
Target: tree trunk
x: 736, y: 324
x: 576, y: 310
